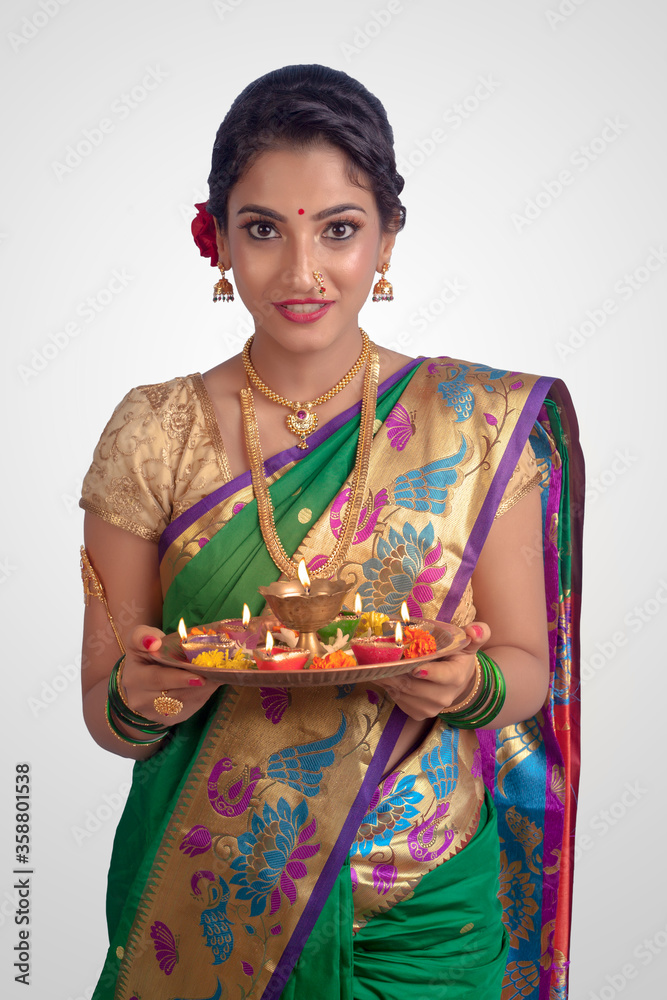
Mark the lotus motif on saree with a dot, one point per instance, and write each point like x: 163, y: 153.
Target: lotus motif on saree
x: 403, y: 569
x: 273, y: 856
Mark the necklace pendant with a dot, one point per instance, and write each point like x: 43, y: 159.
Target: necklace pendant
x: 302, y: 423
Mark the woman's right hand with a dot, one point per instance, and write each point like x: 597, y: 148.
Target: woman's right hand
x: 144, y: 680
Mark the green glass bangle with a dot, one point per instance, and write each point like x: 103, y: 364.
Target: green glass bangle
x: 498, y: 698
x: 131, y: 718
x: 126, y: 739
x: 478, y: 701
x: 123, y: 712
x: 488, y: 705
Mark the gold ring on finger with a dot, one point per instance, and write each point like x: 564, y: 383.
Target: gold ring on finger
x: 165, y: 705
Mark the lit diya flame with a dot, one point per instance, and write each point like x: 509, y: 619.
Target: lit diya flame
x: 398, y: 634
x: 245, y: 618
x: 358, y: 605
x: 405, y: 614
x: 302, y: 573
x: 182, y: 631
x: 279, y: 659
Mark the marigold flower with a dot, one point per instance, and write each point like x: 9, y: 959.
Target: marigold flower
x: 417, y: 642
x: 333, y: 661
x: 221, y: 659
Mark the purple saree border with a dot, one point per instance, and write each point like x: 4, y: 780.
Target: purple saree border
x: 271, y: 465
x: 501, y: 478
x: 337, y: 856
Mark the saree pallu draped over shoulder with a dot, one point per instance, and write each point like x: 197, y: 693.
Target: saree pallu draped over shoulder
x: 267, y: 829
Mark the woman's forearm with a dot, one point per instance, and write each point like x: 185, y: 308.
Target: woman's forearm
x: 526, y: 680
x: 94, y: 713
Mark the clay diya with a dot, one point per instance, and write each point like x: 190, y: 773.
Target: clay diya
x: 272, y: 657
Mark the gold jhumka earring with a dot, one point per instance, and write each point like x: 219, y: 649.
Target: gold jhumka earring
x: 223, y: 290
x: 382, y: 290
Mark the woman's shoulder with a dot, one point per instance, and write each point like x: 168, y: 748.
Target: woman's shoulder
x: 448, y: 367
x: 177, y: 391
x: 172, y: 405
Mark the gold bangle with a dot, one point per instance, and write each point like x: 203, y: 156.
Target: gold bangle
x: 473, y: 694
x: 119, y: 683
x: 92, y: 587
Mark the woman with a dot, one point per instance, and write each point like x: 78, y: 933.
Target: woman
x: 328, y: 841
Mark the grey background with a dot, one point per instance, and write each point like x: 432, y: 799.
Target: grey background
x: 519, y: 91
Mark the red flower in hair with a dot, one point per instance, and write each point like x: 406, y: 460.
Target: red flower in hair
x: 203, y: 231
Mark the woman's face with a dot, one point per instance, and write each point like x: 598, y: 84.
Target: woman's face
x: 293, y: 212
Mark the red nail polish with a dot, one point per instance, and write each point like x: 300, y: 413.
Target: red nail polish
x: 147, y: 641
x: 422, y: 673
x: 195, y: 682
x: 479, y: 632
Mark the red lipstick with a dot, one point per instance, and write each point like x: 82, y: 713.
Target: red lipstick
x: 302, y: 317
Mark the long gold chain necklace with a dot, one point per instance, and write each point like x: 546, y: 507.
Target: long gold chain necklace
x: 265, y: 510
x: 303, y: 420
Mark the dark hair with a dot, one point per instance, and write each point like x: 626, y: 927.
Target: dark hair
x: 302, y: 106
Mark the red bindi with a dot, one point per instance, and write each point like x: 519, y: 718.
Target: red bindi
x: 301, y: 211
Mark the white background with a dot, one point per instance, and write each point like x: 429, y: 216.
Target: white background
x: 552, y: 81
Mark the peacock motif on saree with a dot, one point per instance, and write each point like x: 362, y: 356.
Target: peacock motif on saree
x: 457, y: 390
x: 215, y: 923
x: 427, y: 488
x: 234, y: 800
x: 441, y: 765
x: 301, y: 767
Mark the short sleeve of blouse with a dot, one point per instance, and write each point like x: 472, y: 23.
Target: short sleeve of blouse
x: 524, y: 479
x: 155, y: 457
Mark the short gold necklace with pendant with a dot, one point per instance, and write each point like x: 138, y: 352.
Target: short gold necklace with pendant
x: 303, y: 420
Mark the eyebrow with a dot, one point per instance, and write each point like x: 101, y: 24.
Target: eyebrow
x: 334, y: 210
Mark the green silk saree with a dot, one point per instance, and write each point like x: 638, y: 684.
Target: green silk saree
x: 264, y: 851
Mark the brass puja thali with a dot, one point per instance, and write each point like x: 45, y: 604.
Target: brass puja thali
x: 448, y: 639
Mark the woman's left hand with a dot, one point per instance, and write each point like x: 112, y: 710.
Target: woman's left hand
x: 437, y: 684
